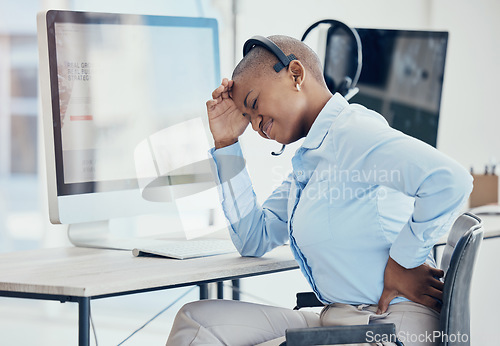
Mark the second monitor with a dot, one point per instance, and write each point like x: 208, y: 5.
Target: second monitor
x: 401, y: 78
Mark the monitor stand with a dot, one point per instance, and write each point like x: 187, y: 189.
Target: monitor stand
x: 98, y: 235
x: 92, y: 234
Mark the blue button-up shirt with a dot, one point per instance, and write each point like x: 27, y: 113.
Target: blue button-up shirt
x: 359, y: 192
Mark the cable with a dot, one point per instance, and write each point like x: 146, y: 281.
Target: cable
x: 158, y: 314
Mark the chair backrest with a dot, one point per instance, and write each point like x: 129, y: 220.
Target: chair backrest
x: 458, y: 260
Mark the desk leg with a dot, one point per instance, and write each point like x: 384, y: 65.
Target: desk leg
x: 203, y: 291
x: 236, y: 287
x: 220, y: 290
x: 84, y: 321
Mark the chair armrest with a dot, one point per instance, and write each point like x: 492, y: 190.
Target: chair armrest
x: 342, y: 335
x: 307, y: 300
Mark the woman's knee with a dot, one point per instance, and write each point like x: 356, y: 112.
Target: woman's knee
x: 203, y: 310
x: 197, y: 308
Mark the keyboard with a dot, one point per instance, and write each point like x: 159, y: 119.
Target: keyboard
x: 184, y: 249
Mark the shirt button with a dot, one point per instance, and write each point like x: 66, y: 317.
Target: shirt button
x: 299, y: 173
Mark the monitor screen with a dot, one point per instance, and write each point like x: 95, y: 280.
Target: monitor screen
x: 401, y: 78
x: 120, y: 84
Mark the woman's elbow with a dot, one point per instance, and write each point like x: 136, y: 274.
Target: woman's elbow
x: 459, y: 184
x: 463, y: 183
x: 247, y: 251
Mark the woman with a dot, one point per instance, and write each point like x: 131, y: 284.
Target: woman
x: 362, y: 208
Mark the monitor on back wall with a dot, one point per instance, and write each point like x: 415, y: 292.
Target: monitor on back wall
x: 118, y: 91
x: 401, y: 78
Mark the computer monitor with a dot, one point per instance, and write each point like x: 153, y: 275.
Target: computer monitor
x: 123, y: 112
x: 401, y: 77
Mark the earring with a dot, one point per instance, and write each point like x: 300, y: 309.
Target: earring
x: 297, y: 86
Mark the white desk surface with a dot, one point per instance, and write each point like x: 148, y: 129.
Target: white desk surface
x: 85, y: 272
x: 491, y: 225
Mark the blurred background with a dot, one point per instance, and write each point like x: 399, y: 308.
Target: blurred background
x: 469, y: 128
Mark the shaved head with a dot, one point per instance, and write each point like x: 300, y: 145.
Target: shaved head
x: 259, y: 61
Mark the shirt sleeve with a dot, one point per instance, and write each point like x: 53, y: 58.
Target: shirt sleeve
x: 380, y: 155
x: 254, y: 229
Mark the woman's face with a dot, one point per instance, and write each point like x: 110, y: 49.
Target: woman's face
x: 274, y: 105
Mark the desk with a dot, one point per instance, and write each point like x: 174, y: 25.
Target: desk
x: 491, y: 225
x: 80, y: 274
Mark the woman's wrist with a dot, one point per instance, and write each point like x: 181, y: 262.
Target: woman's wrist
x: 225, y: 143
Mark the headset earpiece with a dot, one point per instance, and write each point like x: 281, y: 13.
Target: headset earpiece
x: 348, y: 82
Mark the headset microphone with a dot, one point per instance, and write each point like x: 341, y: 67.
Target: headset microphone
x: 279, y: 152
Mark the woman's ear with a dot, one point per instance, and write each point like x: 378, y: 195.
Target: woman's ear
x: 296, y: 72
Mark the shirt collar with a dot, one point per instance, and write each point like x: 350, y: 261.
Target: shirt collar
x: 323, y: 121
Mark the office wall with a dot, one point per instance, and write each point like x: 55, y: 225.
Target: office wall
x: 470, y: 126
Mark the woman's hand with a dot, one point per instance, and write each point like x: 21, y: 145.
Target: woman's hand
x: 226, y: 122
x: 420, y: 285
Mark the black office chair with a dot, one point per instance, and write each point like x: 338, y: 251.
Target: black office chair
x: 459, y: 256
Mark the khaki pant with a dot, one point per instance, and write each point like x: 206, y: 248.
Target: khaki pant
x: 234, y: 323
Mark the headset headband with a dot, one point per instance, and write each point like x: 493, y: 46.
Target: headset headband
x: 266, y: 43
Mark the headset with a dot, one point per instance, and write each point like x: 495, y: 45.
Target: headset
x: 284, y: 60
x: 349, y: 82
